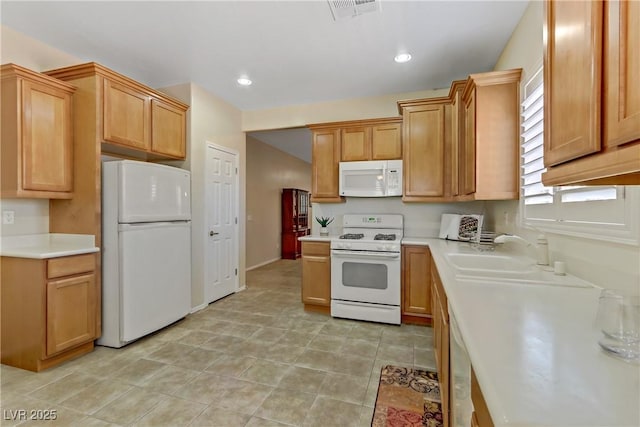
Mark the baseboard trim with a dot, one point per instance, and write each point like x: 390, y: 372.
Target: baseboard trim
x: 198, y: 308
x: 241, y: 288
x: 253, y: 267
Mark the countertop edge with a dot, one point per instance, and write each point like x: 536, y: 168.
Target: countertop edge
x: 16, y: 253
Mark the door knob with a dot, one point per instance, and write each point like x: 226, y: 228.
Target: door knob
x: 212, y: 233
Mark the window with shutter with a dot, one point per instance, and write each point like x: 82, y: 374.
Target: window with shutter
x: 600, y: 212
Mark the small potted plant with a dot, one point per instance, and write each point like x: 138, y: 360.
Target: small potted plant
x: 324, y: 221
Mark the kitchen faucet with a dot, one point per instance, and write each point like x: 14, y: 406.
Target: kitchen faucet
x: 541, y: 247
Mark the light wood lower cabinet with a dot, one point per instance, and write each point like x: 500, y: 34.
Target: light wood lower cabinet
x: 316, y: 276
x: 480, y: 416
x: 441, y: 340
x: 415, y: 285
x: 37, y: 135
x: 50, y: 310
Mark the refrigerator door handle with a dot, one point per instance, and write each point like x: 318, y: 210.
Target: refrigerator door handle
x: 145, y: 225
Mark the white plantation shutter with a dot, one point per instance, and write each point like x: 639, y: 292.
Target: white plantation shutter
x: 591, y: 211
x: 533, y: 192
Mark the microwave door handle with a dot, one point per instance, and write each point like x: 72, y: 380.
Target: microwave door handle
x: 385, y: 180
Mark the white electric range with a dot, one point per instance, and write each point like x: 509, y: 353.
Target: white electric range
x: 365, y: 268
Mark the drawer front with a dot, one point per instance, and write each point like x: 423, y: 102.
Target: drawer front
x: 67, y: 266
x: 316, y: 248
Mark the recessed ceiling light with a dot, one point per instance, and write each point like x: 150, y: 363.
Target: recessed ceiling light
x: 403, y: 57
x: 244, y: 81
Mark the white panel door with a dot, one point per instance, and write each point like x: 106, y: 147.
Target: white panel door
x: 222, y: 221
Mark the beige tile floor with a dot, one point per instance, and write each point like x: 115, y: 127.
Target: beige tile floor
x: 255, y: 358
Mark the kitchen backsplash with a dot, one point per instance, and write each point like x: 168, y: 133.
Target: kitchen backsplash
x: 31, y: 216
x: 420, y: 219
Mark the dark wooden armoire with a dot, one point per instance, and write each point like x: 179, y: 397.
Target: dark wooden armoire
x: 295, y: 221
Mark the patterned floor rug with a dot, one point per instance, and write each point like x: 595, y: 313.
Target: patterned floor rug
x: 407, y: 397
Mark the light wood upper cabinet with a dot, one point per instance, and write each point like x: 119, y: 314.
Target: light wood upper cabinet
x: 316, y: 274
x: 423, y: 149
x: 377, y: 139
x: 622, y: 73
x: 325, y: 154
x: 457, y: 158
x: 168, y: 129
x: 37, y: 135
x: 386, y: 141
x: 355, y: 144
x: 592, y: 93
x: 491, y: 156
x: 137, y: 121
x: 416, y: 279
x: 126, y: 116
x: 468, y: 155
x: 572, y: 80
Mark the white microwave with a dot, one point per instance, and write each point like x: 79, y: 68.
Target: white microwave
x: 376, y: 178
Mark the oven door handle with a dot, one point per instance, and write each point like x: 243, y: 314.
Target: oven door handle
x: 365, y: 254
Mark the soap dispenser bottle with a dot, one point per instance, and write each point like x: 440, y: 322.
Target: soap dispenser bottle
x: 542, y: 250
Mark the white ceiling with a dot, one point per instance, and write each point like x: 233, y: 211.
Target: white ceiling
x: 294, y: 51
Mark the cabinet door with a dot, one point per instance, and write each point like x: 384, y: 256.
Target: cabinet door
x: 443, y: 372
x: 423, y: 151
x: 355, y: 144
x: 288, y: 211
x: 572, y: 79
x: 316, y: 280
x: 46, y: 138
x: 386, y: 142
x: 621, y: 72
x: 126, y: 116
x: 468, y: 162
x: 324, y: 166
x: 416, y: 279
x: 71, y: 312
x: 303, y: 210
x: 168, y: 129
x: 457, y: 148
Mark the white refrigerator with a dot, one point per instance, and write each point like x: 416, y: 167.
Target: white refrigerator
x: 146, y: 249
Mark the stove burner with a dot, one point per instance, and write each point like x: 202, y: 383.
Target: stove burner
x: 352, y: 236
x: 385, y: 237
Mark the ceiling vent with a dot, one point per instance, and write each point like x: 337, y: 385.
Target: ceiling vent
x: 350, y: 8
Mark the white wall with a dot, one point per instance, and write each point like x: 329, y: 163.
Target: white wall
x: 605, y: 264
x: 210, y: 120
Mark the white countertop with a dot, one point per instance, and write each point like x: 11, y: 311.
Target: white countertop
x: 51, y: 245
x: 316, y: 238
x: 534, y: 349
